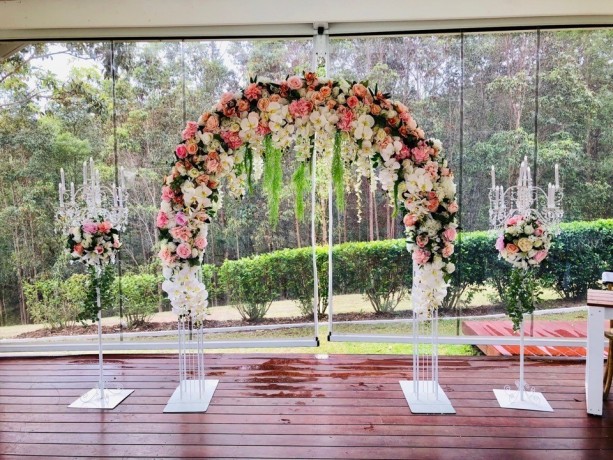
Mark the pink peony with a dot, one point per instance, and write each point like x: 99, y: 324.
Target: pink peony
x: 200, y: 243
x: 294, y: 82
x: 409, y: 220
x: 232, y: 139
x: 500, y: 243
x: 190, y: 130
x: 450, y: 234
x: 540, y: 255
x: 420, y: 153
x: 346, y: 120
x: 300, y: 108
x: 181, y: 151
x: 184, y: 251
x: 104, y: 226
x: 162, y: 220
x: 448, y: 250
x: 421, y: 256
x: 252, y: 91
x: 90, y: 227
x: 181, y: 219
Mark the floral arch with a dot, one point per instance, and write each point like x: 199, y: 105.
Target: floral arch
x: 244, y: 137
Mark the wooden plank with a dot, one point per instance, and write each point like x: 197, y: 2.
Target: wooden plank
x: 296, y: 407
x: 599, y: 298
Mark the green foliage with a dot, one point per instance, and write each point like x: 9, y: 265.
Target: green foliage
x: 140, y: 297
x: 56, y: 303
x: 521, y: 295
x: 104, y: 282
x: 272, y: 179
x: 300, y: 182
x: 338, y: 172
x: 250, y: 286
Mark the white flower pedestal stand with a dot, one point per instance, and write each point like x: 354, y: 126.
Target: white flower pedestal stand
x: 194, y: 392
x: 424, y: 394
x: 525, y: 397
x: 101, y: 397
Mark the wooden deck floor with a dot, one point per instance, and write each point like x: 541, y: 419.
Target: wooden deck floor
x: 296, y: 406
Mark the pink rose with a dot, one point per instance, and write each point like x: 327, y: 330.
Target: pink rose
x: 409, y: 220
x: 212, y: 124
x: 190, y: 130
x: 225, y: 98
x: 540, y: 255
x: 90, y: 227
x: 181, y: 151
x: 448, y: 250
x: 104, y: 226
x: 514, y: 220
x: 181, y: 233
x: 512, y: 249
x: 450, y: 234
x: 162, y: 220
x: 212, y: 165
x: 300, y: 108
x: 167, y: 193
x: 166, y: 255
x: 99, y: 249
x: 500, y: 243
x: 232, y: 139
x: 181, y: 219
x: 538, y: 231
x: 360, y: 90
x: 294, y: 82
x: 352, y: 102
x: 346, y: 120
x: 453, y: 207
x: 184, y: 251
x: 421, y: 256
x: 200, y: 243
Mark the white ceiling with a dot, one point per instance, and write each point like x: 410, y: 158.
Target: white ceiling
x: 80, y: 19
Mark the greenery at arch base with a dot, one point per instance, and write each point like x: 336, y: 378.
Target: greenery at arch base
x: 354, y: 129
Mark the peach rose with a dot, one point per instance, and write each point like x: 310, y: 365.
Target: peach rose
x: 409, y: 220
x: 352, y: 102
x: 359, y: 90
x: 263, y: 104
x: 325, y: 91
x: 511, y: 248
x: 192, y: 148
x: 212, y: 124
x: 448, y: 250
x: 243, y: 105
x: 104, y: 226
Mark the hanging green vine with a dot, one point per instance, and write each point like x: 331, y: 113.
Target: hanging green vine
x: 272, y: 180
x: 102, y: 280
x: 249, y: 167
x: 338, y: 173
x: 521, y: 295
x: 300, y: 182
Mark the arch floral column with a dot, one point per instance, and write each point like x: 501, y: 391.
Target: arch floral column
x: 247, y: 132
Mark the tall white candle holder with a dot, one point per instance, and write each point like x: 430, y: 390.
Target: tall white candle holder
x: 93, y: 201
x: 525, y: 199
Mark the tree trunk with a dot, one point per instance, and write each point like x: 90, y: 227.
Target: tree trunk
x: 298, y: 239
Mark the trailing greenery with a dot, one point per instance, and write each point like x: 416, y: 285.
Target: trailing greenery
x: 272, y: 179
x: 300, y: 182
x: 108, y: 296
x: 521, y: 295
x: 338, y: 172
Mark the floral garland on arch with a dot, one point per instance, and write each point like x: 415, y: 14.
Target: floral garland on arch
x: 524, y: 243
x: 243, y: 138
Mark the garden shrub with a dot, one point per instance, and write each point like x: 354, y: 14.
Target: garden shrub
x: 140, y: 297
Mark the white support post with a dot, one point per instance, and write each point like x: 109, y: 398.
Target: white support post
x: 424, y: 394
x: 195, y: 394
x: 525, y: 397
x: 101, y: 397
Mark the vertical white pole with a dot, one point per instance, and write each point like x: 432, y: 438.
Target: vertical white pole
x: 521, y: 360
x: 330, y: 247
x: 100, y: 359
x: 415, y: 334
x: 314, y: 241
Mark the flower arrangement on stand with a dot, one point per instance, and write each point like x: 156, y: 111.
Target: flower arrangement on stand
x: 524, y: 244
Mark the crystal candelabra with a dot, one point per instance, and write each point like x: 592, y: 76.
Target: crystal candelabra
x: 526, y: 199
x: 92, y: 200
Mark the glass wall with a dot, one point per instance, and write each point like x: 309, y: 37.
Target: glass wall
x: 492, y: 98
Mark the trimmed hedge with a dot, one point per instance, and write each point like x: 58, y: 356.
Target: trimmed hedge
x: 382, y: 270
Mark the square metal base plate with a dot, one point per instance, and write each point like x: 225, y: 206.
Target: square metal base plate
x: 191, y: 398
x: 93, y: 400
x: 428, y: 402
x: 510, y: 399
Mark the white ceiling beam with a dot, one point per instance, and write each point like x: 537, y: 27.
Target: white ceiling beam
x: 81, y: 19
